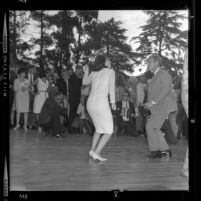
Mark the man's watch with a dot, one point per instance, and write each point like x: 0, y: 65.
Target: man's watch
x: 153, y: 102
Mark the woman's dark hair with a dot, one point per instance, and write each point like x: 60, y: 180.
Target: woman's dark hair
x: 99, y: 63
x: 42, y: 74
x: 21, y: 70
x: 91, y: 66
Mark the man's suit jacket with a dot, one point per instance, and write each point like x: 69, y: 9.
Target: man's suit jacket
x: 62, y: 86
x: 74, y: 87
x: 119, y: 110
x: 160, y: 90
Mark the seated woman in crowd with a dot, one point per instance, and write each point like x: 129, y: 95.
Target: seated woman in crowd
x: 125, y: 114
x: 49, y: 118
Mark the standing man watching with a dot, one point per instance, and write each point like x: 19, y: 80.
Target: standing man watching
x: 74, y: 87
x: 161, y: 103
x: 140, y: 99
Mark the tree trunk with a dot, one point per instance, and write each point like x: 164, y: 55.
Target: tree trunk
x: 61, y: 59
x: 160, y: 38
x: 160, y: 44
x: 79, y: 41
x: 108, y: 49
x: 107, y: 46
x: 14, y: 39
x: 41, y: 44
x: 78, y: 51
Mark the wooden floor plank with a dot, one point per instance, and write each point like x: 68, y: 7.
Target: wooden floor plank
x: 44, y: 163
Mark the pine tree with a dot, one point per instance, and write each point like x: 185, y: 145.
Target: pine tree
x: 44, y: 40
x: 162, y: 35
x: 109, y: 38
x: 18, y: 23
x: 83, y: 18
x: 65, y: 21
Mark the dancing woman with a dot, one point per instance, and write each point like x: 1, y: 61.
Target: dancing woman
x: 102, y: 80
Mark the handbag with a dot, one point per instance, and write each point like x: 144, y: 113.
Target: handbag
x: 143, y: 111
x: 85, y: 90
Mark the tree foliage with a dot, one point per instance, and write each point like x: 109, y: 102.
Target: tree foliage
x: 69, y: 37
x: 162, y: 34
x: 44, y: 40
x: 109, y: 38
x: 18, y: 22
x: 83, y: 19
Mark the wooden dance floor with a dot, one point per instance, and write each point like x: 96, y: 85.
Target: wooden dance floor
x: 44, y: 163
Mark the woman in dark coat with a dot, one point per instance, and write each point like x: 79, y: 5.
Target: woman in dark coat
x: 49, y: 118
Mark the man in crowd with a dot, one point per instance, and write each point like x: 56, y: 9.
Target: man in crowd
x: 74, y: 87
x: 55, y: 78
x: 52, y: 109
x: 62, y: 84
x: 125, y: 114
x: 32, y: 91
x: 161, y: 103
x: 140, y: 99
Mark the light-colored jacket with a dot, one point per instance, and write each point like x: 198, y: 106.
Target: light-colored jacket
x: 160, y: 90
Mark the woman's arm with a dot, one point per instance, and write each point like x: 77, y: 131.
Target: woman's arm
x: 34, y: 83
x: 87, y: 77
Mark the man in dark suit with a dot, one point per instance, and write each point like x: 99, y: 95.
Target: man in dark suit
x: 62, y: 82
x: 74, y: 87
x: 62, y: 85
x: 125, y: 114
x: 161, y: 103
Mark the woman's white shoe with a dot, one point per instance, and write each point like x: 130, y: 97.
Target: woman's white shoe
x: 16, y: 127
x: 91, y: 153
x: 96, y: 157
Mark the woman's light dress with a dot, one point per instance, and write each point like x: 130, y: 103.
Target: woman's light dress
x: 102, y: 86
x: 21, y: 97
x: 41, y: 96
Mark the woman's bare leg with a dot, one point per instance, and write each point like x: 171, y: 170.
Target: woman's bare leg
x: 95, y: 141
x: 103, y: 141
x: 12, y: 117
x: 25, y: 119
